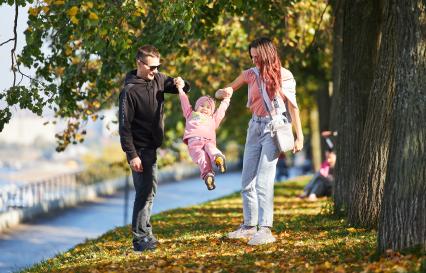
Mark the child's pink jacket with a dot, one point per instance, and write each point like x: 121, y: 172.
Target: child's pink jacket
x: 198, y: 124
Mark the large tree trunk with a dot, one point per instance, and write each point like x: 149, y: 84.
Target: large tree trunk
x: 359, y: 53
x: 403, y: 215
x: 337, y: 61
x: 371, y: 169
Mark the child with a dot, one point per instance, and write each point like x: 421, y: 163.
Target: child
x: 200, y: 134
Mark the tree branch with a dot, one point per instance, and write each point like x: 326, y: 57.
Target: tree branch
x: 317, y: 28
x: 5, y: 42
x: 12, y: 52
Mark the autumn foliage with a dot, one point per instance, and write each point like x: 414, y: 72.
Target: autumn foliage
x: 193, y: 239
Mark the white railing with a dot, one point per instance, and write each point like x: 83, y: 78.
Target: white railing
x: 34, y: 193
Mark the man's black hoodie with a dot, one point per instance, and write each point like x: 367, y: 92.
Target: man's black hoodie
x: 141, y: 103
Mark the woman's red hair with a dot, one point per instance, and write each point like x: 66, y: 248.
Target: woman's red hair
x: 270, y: 64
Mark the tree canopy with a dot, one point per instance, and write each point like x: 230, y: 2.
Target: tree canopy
x: 91, y: 45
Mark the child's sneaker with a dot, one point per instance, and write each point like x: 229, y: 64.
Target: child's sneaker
x: 209, y: 180
x: 220, y: 163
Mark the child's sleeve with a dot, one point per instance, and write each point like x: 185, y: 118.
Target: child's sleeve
x: 220, y: 112
x: 185, y: 104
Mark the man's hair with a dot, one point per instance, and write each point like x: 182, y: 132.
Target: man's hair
x: 147, y: 50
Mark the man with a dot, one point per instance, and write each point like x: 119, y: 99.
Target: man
x: 141, y: 128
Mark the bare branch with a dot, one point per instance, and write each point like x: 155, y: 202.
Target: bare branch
x: 15, y: 35
x: 318, y: 27
x: 5, y: 42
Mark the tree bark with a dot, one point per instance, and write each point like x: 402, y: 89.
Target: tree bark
x: 337, y: 61
x: 403, y: 216
x: 371, y: 168
x: 359, y: 53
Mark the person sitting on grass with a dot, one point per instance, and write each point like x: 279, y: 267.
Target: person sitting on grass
x: 200, y: 134
x: 322, y: 182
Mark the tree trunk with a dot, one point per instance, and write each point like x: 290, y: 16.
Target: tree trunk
x: 315, y: 138
x: 371, y: 168
x: 359, y: 53
x: 403, y: 216
x: 337, y: 61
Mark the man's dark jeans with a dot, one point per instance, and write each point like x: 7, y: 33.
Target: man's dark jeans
x: 146, y: 187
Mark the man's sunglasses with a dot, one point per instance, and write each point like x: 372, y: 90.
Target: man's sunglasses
x: 151, y: 67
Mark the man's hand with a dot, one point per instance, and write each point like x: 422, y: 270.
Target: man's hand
x: 136, y: 164
x: 179, y: 82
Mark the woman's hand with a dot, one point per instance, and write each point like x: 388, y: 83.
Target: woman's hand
x: 224, y: 93
x: 298, y: 145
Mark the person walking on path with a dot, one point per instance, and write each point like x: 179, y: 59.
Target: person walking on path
x: 141, y: 129
x: 260, y: 151
x: 200, y: 134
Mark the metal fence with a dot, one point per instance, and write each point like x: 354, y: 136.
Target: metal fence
x: 34, y: 193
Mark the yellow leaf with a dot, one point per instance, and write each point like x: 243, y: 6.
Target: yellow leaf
x: 74, y: 20
x: 75, y: 60
x: 93, y: 16
x: 60, y: 2
x: 89, y: 4
x: 33, y: 11
x: 78, y: 137
x: 45, y: 9
x: 94, y: 117
x: 351, y: 229
x: 72, y: 11
x: 68, y: 51
x: 96, y: 104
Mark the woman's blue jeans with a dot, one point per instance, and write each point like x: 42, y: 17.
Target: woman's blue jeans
x: 258, y: 177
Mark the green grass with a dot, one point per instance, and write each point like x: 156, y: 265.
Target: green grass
x: 193, y: 240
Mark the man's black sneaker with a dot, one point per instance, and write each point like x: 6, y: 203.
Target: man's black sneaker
x: 153, y: 239
x: 146, y: 243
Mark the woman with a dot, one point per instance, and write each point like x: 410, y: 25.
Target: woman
x: 260, y: 152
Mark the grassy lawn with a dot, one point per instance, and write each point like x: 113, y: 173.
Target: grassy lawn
x: 193, y: 240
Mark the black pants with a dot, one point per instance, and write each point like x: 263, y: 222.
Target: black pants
x: 146, y: 187
x: 320, y: 186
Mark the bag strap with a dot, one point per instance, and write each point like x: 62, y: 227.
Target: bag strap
x: 265, y: 97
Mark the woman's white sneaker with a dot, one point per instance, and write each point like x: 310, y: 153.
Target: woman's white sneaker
x: 263, y: 236
x: 243, y: 231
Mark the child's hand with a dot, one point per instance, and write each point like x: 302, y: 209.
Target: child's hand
x: 179, y: 82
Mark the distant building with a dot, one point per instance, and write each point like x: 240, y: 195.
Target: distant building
x: 25, y: 128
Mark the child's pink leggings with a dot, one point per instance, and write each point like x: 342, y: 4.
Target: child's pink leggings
x: 203, y: 152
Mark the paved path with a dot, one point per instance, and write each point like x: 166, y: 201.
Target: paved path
x: 30, y: 243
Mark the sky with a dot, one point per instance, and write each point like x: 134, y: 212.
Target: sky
x: 7, y: 14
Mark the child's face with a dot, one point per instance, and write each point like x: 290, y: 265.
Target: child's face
x: 204, y: 108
